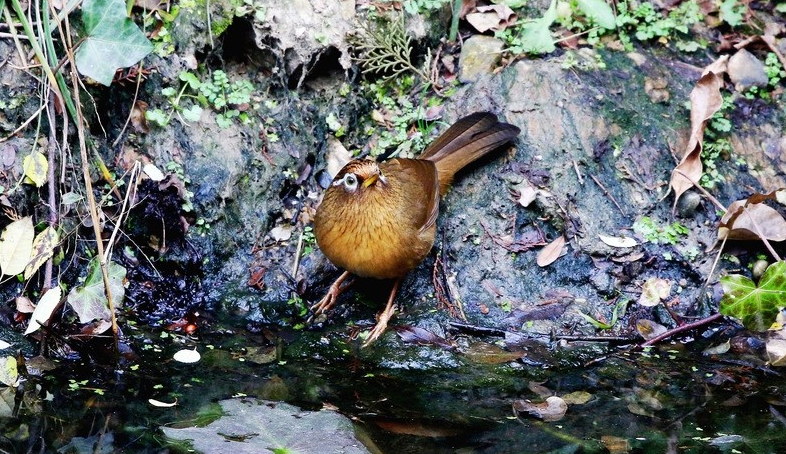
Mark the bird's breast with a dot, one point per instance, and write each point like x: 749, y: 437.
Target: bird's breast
x: 373, y: 234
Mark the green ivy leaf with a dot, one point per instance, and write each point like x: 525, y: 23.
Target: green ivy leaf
x: 535, y: 36
x: 600, y: 12
x: 755, y: 306
x: 89, y: 300
x: 112, y: 40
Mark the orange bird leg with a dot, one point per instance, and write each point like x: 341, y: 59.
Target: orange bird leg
x: 329, y: 300
x: 383, y: 317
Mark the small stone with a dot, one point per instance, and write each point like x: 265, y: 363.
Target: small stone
x: 479, y: 55
x: 686, y: 207
x: 638, y: 59
x: 746, y: 71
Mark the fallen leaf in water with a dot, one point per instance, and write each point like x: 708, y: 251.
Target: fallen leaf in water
x: 654, y: 291
x: 418, y: 428
x: 719, y: 349
x: 485, y: 353
x: 577, y: 398
x: 551, y: 252
x: 552, y: 410
x: 649, y: 329
x: 615, y: 445
x: 705, y: 100
x: 420, y: 336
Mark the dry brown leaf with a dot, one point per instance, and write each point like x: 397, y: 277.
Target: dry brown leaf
x: 705, y: 100
x: 492, y: 17
x: 654, y: 291
x: 551, y: 252
x: 138, y: 118
x: 467, y: 6
x: 649, y: 329
x: 744, y: 223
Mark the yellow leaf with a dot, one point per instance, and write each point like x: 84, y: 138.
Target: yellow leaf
x: 36, y: 166
x: 16, y: 246
x: 43, y: 249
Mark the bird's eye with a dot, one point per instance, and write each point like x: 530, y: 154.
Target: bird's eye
x: 350, y: 182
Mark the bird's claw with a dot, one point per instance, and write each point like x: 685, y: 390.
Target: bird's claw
x: 379, y: 328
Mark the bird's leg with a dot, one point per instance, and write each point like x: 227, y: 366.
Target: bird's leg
x: 330, y: 297
x: 383, y: 317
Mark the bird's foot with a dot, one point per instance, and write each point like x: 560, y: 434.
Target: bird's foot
x: 329, y: 300
x: 379, y: 328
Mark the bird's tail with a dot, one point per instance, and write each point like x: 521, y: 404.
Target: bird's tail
x: 470, y: 138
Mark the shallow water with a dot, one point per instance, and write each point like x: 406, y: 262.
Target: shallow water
x: 414, y: 399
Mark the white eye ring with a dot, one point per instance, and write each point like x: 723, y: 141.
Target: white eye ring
x: 350, y: 182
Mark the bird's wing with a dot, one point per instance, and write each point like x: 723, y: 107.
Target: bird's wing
x: 417, y: 185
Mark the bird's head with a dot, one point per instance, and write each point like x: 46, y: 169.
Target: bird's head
x: 359, y: 175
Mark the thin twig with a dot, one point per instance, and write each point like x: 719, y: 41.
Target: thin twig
x: 608, y: 194
x: 124, y: 210
x: 24, y: 125
x: 682, y: 328
x: 578, y: 172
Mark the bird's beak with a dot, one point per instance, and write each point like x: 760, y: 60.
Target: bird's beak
x: 370, y: 180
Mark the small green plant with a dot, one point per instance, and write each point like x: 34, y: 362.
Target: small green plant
x: 619, y: 311
x: 386, y: 50
x: 774, y: 69
x: 300, y: 306
x: 217, y: 93
x: 423, y: 6
x: 717, y: 145
x: 668, y: 234
x: 309, y: 240
x: 254, y: 9
x: 645, y: 23
x: 177, y: 169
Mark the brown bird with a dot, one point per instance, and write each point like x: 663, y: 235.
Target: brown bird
x: 378, y: 220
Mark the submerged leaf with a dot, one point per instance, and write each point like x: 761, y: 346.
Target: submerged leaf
x: 755, y: 306
x: 552, y: 410
x: 484, y: 353
x: 16, y: 246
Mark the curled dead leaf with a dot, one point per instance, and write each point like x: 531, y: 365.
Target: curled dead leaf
x: 705, y: 100
x: 752, y: 222
x: 553, y: 409
x: 492, y: 17
x: 654, y: 291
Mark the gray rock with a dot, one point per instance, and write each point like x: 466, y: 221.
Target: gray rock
x: 687, y: 204
x: 746, y: 71
x: 479, y: 55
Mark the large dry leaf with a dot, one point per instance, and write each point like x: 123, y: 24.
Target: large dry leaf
x: 43, y: 249
x: 551, y: 251
x: 16, y: 246
x: 754, y: 222
x: 705, y: 100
